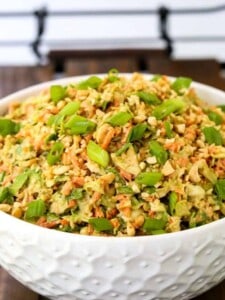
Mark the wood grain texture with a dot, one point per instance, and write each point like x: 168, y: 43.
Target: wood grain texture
x: 202, y: 70
x: 13, y: 79
x: 10, y: 289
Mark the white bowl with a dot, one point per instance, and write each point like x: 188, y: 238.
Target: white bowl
x: 68, y: 266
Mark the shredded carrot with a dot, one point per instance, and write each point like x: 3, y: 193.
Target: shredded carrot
x: 67, y: 188
x: 72, y: 203
x: 78, y: 181
x: 126, y: 175
x: 175, y: 146
x: 64, y: 222
x: 107, y: 140
x: 96, y: 196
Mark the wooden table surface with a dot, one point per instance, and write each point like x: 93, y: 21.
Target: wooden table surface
x: 12, y: 79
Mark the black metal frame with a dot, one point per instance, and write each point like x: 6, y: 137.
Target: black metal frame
x: 162, y: 12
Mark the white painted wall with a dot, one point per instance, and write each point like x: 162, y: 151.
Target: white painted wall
x: 110, y: 31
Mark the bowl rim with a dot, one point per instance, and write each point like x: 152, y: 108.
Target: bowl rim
x: 35, y: 89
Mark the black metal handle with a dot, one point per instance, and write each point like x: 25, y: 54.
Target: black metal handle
x: 40, y: 15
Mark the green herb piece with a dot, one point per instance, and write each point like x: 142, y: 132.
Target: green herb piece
x: 159, y: 152
x: 55, y: 153
x: 181, y: 84
x: 159, y: 231
x: 8, y: 127
x: 51, y: 137
x: 149, y: 98
x: 212, y: 136
x: 5, y: 195
x: 2, y: 176
x: 55, y: 120
x: 70, y: 109
x: 123, y: 149
x: 57, y: 93
x: 76, y: 194
x: 104, y: 105
x: 113, y: 75
x: 79, y: 125
x: 124, y: 190
x: 181, y: 209
x: 148, y: 178
x: 150, y: 190
x: 52, y: 217
x: 101, y: 224
x: 220, y: 189
x: 154, y: 224
x: 137, y: 132
x: 19, y: 182
x: 168, y: 129
x: 215, y: 117
x: 168, y: 107
x: 156, y: 77
x: 119, y: 119
x: 51, y: 120
x: 222, y: 107
x: 97, y: 154
x: 92, y: 82
x: 172, y: 202
x: 192, y: 220
x: 35, y: 209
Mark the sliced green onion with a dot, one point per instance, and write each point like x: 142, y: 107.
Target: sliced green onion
x: 92, y: 82
x: 168, y: 129
x: 104, y: 105
x: 51, y: 137
x: 172, y: 202
x: 57, y: 93
x: 55, y: 153
x: 212, y: 136
x: 149, y: 189
x: 159, y: 152
x: 124, y: 190
x: 19, y: 182
x: 5, y: 195
x: 192, y: 220
x: 215, y: 117
x: 123, y: 149
x: 159, y: 231
x: 149, y: 98
x: 181, y: 84
x: 154, y: 224
x: 100, y: 224
x: 156, y: 77
x: 97, y: 154
x: 220, y: 189
x: 8, y: 127
x: 35, y: 209
x: 168, y: 107
x: 222, y: 107
x: 148, y: 178
x: 113, y: 75
x: 79, y: 125
x: 2, y: 176
x: 137, y: 132
x: 119, y: 119
x: 76, y: 194
x: 55, y: 120
x: 70, y: 109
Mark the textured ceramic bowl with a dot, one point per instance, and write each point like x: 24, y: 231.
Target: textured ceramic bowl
x: 67, y: 266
